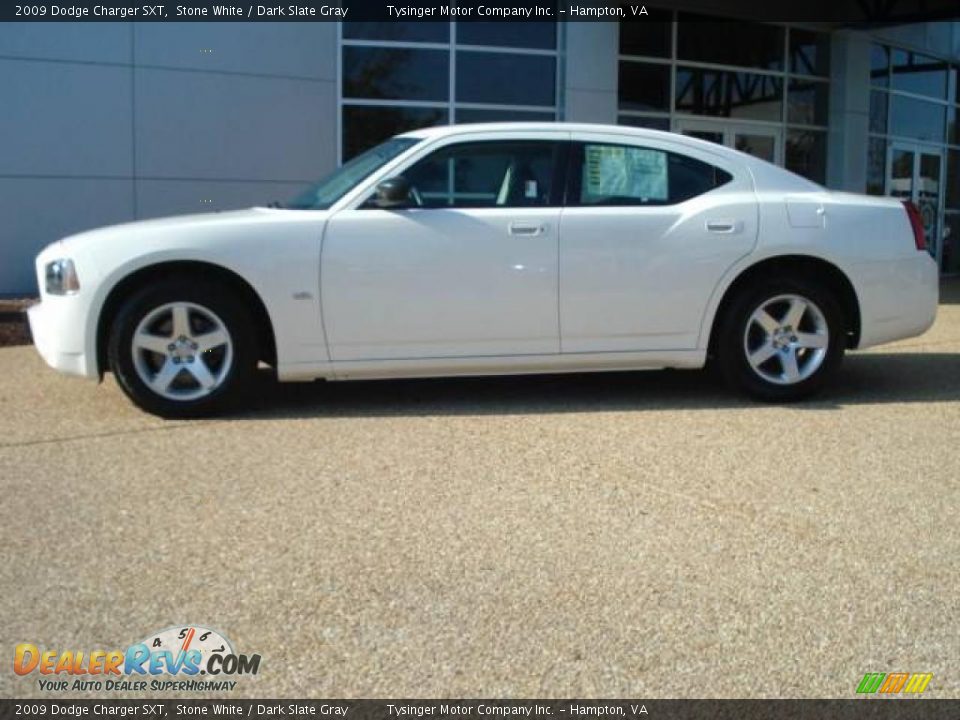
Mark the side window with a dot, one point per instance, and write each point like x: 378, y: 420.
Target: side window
x: 487, y: 174
x: 630, y: 175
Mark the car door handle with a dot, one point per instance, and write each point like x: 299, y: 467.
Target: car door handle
x: 723, y: 226
x: 526, y: 229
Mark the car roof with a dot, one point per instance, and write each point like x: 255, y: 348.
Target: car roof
x: 448, y: 130
x: 766, y: 175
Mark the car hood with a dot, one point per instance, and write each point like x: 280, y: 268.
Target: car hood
x: 177, y: 225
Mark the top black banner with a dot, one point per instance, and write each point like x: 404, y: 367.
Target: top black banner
x: 842, y: 12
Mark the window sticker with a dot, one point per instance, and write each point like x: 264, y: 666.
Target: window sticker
x: 616, y: 171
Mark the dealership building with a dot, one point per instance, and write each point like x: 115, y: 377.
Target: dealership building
x: 110, y: 122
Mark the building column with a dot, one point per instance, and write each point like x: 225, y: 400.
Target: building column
x: 590, y: 80
x: 849, y: 111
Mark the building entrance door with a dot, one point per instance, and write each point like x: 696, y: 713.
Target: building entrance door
x: 765, y: 143
x: 914, y: 173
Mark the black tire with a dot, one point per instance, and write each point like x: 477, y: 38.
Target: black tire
x: 206, y: 300
x: 733, y: 341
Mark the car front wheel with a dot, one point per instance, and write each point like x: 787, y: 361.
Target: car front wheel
x: 782, y: 340
x: 182, y: 349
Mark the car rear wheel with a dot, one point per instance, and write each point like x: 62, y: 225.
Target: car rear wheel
x: 781, y: 340
x: 182, y: 349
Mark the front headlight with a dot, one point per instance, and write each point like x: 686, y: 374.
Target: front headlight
x: 61, y: 277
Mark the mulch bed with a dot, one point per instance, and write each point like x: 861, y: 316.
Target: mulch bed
x: 13, y: 322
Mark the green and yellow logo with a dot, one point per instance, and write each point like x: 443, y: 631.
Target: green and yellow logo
x: 893, y: 683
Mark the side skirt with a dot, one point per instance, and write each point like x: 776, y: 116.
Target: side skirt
x: 497, y: 365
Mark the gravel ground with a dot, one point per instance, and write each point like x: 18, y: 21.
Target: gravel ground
x: 632, y: 534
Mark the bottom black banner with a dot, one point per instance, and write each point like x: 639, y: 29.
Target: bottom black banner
x: 881, y: 709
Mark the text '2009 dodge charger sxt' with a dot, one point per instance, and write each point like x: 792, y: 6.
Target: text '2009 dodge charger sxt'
x: 482, y: 249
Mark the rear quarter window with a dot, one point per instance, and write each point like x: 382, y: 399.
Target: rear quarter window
x: 609, y: 174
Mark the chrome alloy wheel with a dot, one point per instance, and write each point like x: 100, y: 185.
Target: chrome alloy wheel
x: 786, y: 339
x: 182, y: 351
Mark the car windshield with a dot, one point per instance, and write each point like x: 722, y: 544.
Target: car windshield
x: 323, y: 194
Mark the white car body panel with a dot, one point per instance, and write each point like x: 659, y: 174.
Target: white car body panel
x: 277, y: 259
x: 662, y: 262
x: 440, y: 283
x: 357, y: 293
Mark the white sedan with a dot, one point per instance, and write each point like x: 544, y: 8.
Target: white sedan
x: 486, y: 249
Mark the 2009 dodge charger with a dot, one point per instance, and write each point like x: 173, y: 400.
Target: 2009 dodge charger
x: 482, y: 249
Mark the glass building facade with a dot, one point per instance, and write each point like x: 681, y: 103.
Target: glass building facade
x: 400, y: 76
x: 914, y: 144
x: 762, y: 88
x: 861, y: 107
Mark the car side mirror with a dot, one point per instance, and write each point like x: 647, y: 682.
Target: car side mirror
x: 393, y: 193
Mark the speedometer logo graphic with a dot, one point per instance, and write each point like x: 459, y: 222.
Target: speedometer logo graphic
x: 185, y: 638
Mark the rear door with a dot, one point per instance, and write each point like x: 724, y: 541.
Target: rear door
x: 649, y: 230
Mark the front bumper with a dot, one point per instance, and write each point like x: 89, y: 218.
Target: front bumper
x: 54, y: 327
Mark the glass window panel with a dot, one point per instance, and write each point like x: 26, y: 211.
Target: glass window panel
x: 505, y: 78
x: 395, y: 73
x: 953, y: 180
x: 876, y: 166
x: 929, y: 189
x: 878, y: 111
x: 806, y: 154
x: 650, y: 37
x: 535, y: 35
x: 901, y: 173
x: 759, y: 145
x: 642, y: 86
x: 729, y: 94
x: 953, y: 125
x: 917, y: 119
x: 398, y: 31
x: 951, y: 244
x: 879, y: 65
x: 727, y: 42
x: 482, y: 115
x: 629, y: 175
x: 323, y: 194
x: 654, y: 123
x: 807, y: 102
x: 364, y: 127
x: 486, y: 174
x: 809, y: 52
x: 918, y: 74
x: 714, y: 136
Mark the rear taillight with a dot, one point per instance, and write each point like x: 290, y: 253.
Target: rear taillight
x: 916, y: 222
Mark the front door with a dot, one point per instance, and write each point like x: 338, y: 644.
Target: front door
x: 914, y: 174
x: 763, y: 142
x: 467, y: 268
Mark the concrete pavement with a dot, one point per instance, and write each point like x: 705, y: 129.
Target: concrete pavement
x: 638, y: 534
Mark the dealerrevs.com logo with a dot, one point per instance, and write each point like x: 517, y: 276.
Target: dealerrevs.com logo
x: 183, y: 658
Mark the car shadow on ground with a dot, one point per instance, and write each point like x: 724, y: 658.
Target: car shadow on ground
x: 950, y: 291
x: 864, y: 379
